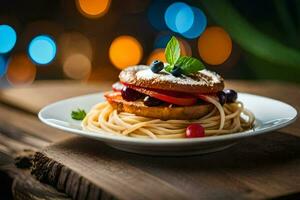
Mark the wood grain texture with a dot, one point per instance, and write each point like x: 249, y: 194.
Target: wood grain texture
x: 25, y: 126
x: 26, y: 187
x: 41, y: 93
x: 262, y: 167
x: 17, y: 150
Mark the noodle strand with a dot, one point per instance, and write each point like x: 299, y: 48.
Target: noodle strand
x: 229, y: 118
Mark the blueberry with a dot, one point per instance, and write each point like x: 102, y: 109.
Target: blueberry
x: 176, y: 71
x: 231, y: 95
x: 222, y: 97
x: 156, y: 66
x: 151, y: 101
x: 129, y: 94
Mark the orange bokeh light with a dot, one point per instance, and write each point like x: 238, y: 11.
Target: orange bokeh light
x: 93, y: 8
x: 70, y: 43
x: 157, y: 54
x: 20, y: 70
x: 125, y: 51
x: 214, y: 45
x: 77, y: 66
x: 185, y: 47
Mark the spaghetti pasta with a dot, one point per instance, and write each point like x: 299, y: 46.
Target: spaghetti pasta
x: 226, y: 119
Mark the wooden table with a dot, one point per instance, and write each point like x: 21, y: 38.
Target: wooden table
x: 72, y: 167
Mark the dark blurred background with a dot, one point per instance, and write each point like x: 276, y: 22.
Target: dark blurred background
x: 91, y: 40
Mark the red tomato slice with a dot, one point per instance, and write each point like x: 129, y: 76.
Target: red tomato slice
x: 180, y: 99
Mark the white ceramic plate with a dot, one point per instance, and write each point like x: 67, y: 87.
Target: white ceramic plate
x: 270, y: 115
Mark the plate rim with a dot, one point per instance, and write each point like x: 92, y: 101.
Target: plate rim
x: 142, y: 141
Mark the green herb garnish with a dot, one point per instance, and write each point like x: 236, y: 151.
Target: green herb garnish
x: 172, y: 51
x: 188, y: 65
x: 78, y: 114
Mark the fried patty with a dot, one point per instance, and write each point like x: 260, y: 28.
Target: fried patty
x: 203, y: 82
x: 158, y: 112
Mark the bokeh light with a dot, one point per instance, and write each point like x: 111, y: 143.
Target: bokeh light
x: 185, y: 48
x: 8, y: 38
x: 3, y: 66
x: 77, y: 66
x: 73, y: 43
x: 198, y: 26
x: 93, y: 8
x: 179, y: 17
x: 125, y: 51
x: 162, y: 40
x: 39, y: 27
x: 42, y: 49
x: 20, y: 70
x: 214, y: 45
x: 157, y: 54
x: 156, y: 13
x: 233, y: 59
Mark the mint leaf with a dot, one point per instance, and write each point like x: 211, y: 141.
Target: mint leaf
x: 79, y: 114
x: 172, y: 51
x: 189, y: 65
x: 168, y: 68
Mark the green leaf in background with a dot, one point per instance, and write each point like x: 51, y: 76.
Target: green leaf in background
x: 251, y: 39
x: 189, y: 65
x: 286, y: 20
x: 172, y: 52
x: 78, y: 114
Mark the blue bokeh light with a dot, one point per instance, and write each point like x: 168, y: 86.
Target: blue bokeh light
x: 199, y: 25
x: 3, y: 66
x: 184, y: 19
x: 42, y: 49
x: 156, y: 13
x: 8, y: 38
x: 179, y: 17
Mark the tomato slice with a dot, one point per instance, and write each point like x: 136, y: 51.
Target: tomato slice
x: 180, y: 99
x: 111, y: 96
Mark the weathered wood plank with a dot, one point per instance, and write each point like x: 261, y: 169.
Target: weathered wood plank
x: 26, y: 187
x: 108, y: 181
x: 18, y: 148
x: 13, y: 147
x: 20, y: 182
x: 19, y: 124
x: 32, y: 98
x: 263, y: 167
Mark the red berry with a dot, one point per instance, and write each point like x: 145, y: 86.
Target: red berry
x: 194, y: 130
